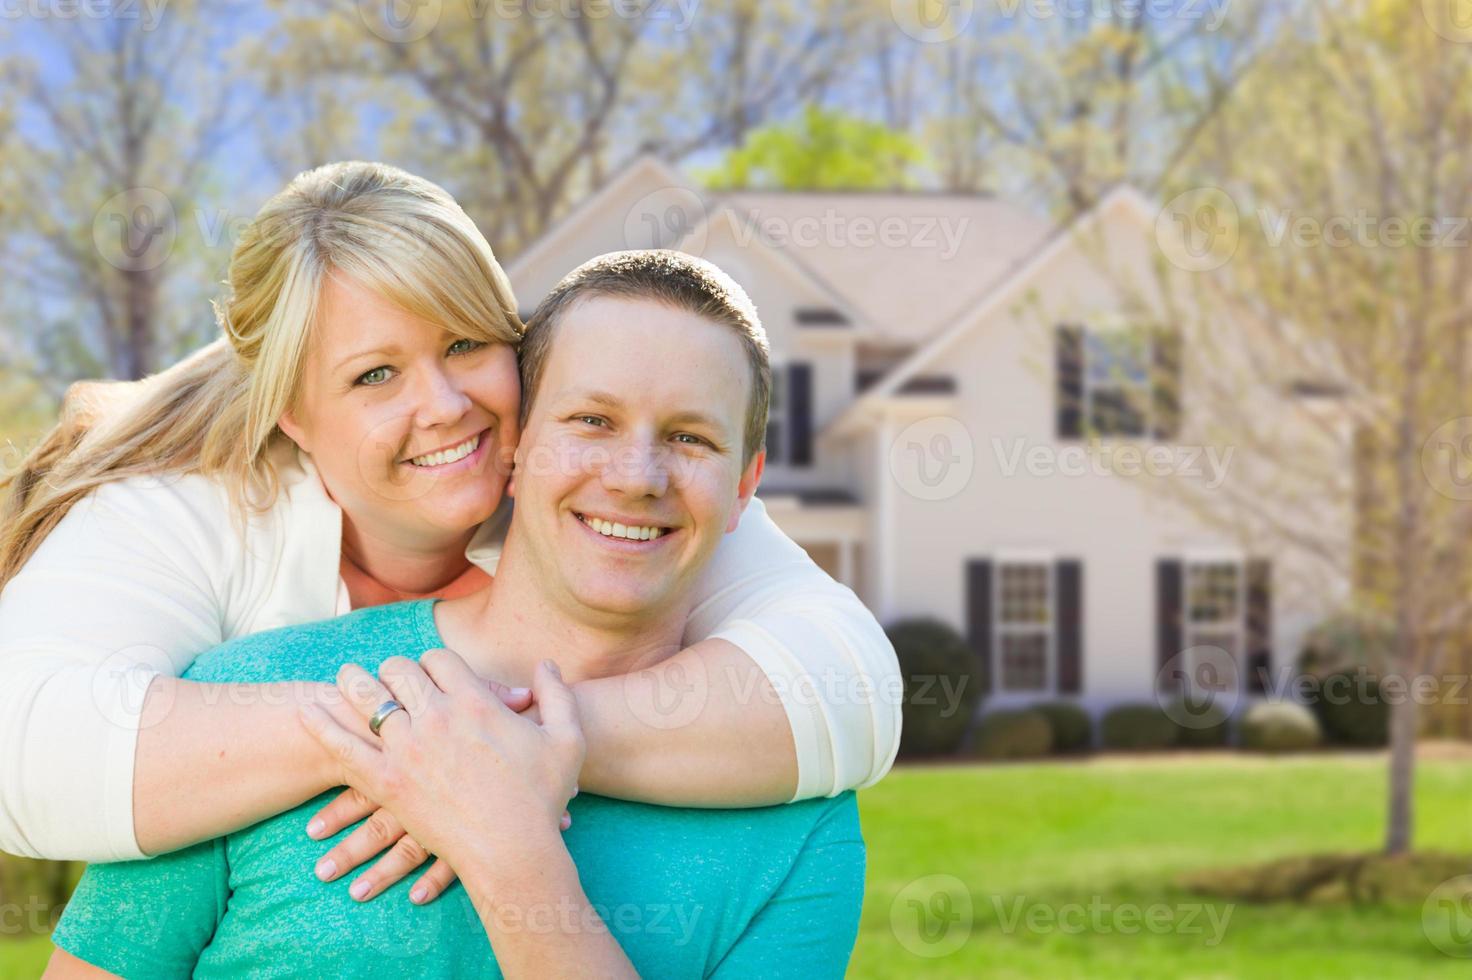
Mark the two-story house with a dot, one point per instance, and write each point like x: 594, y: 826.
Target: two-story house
x: 939, y: 360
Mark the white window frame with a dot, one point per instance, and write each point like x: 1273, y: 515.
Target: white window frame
x: 1196, y: 634
x: 1145, y: 394
x: 1049, y: 628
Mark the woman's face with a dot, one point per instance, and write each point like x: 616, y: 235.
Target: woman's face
x: 411, y: 428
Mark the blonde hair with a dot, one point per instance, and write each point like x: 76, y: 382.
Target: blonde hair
x: 215, y: 412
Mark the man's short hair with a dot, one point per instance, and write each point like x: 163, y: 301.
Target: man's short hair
x: 681, y: 281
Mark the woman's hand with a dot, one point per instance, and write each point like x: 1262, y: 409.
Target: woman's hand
x: 464, y: 773
x: 380, y: 829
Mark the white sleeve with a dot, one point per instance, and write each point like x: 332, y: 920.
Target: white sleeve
x: 124, y: 588
x: 823, y: 651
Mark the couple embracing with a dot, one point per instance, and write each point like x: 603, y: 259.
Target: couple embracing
x: 175, y: 550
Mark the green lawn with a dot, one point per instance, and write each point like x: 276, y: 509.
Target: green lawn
x: 1064, y: 865
x: 1068, y: 870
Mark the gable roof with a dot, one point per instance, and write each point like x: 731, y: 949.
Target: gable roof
x: 1123, y: 198
x: 911, y: 262
x: 642, y: 170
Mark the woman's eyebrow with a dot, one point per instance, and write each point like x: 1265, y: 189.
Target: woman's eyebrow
x: 389, y: 349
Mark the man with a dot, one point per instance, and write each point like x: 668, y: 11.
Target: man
x: 645, y: 390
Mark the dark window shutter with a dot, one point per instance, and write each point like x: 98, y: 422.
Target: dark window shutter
x: 979, y: 617
x: 800, y: 414
x: 1259, y: 625
x: 1070, y: 384
x: 1167, y: 617
x: 1068, y: 622
x: 1166, y: 374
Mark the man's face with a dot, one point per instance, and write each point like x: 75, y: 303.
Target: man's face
x: 630, y: 468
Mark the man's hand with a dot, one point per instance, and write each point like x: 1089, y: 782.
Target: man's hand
x: 380, y: 829
x: 465, y: 775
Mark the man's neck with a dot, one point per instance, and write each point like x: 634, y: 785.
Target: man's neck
x: 506, y: 630
x: 402, y: 568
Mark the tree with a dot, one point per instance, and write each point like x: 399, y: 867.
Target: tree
x: 1348, y: 264
x: 1062, y: 107
x: 522, y: 111
x: 116, y: 131
x: 823, y: 150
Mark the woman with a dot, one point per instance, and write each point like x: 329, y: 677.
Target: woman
x: 215, y: 500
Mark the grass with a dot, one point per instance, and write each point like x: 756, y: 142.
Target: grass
x: 24, y: 959
x: 1073, y: 870
x: 1064, y: 862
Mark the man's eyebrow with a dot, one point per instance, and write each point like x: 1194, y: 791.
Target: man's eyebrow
x: 697, y: 418
x: 608, y: 400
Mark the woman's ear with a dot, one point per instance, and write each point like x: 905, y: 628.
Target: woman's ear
x: 288, y: 424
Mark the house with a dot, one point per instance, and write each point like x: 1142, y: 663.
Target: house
x: 938, y: 360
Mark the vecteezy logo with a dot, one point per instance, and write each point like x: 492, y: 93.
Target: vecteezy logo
x: 1199, y: 230
x: 668, y: 697
x: 671, y: 217
x: 933, y: 459
x: 400, y: 21
x: 1199, y: 687
x: 931, y: 21
x: 134, y: 230
x: 932, y: 916
x: 1446, y: 917
x: 1450, y: 19
x: 1446, y: 459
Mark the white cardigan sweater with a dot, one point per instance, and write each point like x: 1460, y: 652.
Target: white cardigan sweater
x: 144, y: 575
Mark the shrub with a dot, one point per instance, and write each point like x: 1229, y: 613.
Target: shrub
x: 1346, y: 641
x: 1207, y: 729
x: 1138, y: 726
x: 1350, y: 709
x: 942, y: 686
x: 1013, y: 735
x: 1073, y: 729
x: 1280, y: 726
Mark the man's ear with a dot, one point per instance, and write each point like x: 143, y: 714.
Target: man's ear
x: 288, y: 424
x: 746, y: 489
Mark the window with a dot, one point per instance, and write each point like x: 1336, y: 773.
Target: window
x: 1214, y: 613
x: 790, y: 415
x: 1024, y: 626
x: 776, y: 417
x: 1117, y: 390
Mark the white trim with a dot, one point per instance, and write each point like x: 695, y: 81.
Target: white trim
x: 991, y: 301
x: 885, y: 555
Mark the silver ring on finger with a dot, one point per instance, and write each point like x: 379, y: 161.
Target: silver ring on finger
x: 384, y: 710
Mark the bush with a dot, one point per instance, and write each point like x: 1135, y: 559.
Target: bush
x: 1073, y: 729
x: 1013, y: 735
x: 942, y: 686
x: 1350, y: 709
x: 1138, y: 726
x: 1280, y: 726
x: 1209, y: 729
x: 1346, y: 641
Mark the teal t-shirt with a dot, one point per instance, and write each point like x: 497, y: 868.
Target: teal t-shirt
x: 772, y: 891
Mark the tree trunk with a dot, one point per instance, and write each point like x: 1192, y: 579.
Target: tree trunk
x: 1401, y: 816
